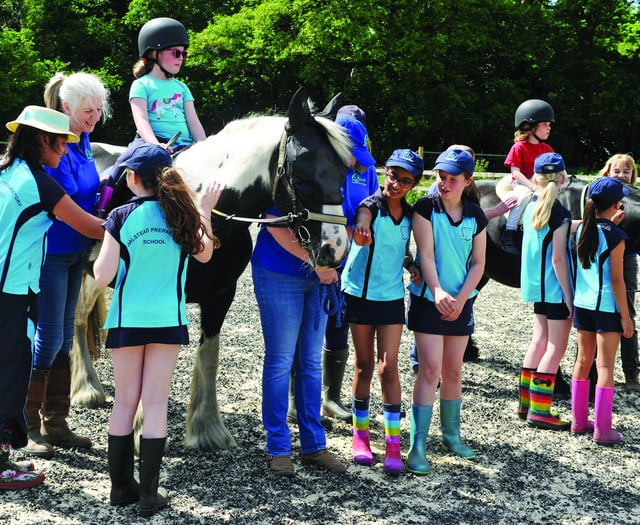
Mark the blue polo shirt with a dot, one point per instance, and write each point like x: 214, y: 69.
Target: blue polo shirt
x: 593, y: 285
x: 78, y: 176
x: 538, y: 282
x: 27, y: 200
x: 453, y: 243
x: 149, y: 289
x: 374, y: 272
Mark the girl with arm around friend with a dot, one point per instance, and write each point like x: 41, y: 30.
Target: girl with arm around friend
x: 147, y: 319
x: 450, y: 234
x: 30, y: 201
x: 374, y: 291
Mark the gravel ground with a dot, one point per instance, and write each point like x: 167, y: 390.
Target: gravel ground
x: 519, y: 475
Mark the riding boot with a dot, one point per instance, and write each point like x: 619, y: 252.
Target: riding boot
x: 509, y: 242
x: 12, y: 475
x: 361, y: 449
x: 580, y: 423
x: 417, y: 462
x: 152, y: 497
x: 392, y: 457
x: 333, y: 365
x: 540, y: 397
x: 56, y: 408
x: 562, y: 389
x: 603, y: 410
x: 124, y: 488
x: 523, y: 404
x: 631, y: 383
x: 450, y: 427
x: 37, y: 444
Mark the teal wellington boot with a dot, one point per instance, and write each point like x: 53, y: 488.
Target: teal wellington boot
x: 417, y: 462
x: 450, y: 425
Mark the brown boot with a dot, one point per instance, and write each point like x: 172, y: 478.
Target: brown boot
x: 56, y: 408
x: 324, y: 459
x: 631, y: 381
x: 37, y: 445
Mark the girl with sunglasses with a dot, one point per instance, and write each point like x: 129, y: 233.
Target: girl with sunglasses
x: 162, y: 106
x: 373, y: 287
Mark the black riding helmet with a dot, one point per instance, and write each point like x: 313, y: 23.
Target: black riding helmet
x: 533, y: 111
x: 160, y: 33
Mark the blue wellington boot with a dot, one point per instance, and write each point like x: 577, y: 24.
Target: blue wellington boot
x: 417, y: 462
x: 450, y: 426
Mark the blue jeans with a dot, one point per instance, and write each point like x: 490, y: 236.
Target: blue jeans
x: 60, y: 282
x: 293, y: 324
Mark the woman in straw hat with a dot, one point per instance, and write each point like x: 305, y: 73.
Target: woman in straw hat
x: 29, y: 200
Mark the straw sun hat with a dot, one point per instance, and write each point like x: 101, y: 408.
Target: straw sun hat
x: 44, y: 119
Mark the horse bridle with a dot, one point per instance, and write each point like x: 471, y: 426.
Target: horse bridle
x: 296, y: 218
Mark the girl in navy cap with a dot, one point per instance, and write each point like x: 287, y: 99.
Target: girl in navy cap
x: 146, y: 248
x: 546, y: 263
x: 374, y: 292
x: 449, y: 229
x: 601, y: 310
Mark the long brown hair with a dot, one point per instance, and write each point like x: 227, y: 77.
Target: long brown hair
x: 25, y: 144
x: 589, y: 239
x: 181, y: 214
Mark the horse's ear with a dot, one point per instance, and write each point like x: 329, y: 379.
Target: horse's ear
x: 331, y: 109
x: 299, y: 111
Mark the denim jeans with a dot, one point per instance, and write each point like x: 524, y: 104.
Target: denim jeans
x: 293, y: 324
x: 60, y: 282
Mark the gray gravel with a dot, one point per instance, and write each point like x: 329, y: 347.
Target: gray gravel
x: 520, y: 474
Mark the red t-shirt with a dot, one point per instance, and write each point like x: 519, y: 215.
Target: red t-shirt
x: 523, y: 154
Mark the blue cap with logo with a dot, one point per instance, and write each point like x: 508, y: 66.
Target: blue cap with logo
x: 359, y: 137
x: 606, y: 191
x: 146, y: 159
x: 455, y: 162
x: 407, y: 159
x: 549, y: 163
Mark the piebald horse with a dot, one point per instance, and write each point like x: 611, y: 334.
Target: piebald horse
x: 296, y: 162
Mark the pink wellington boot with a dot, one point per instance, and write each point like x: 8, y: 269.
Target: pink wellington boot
x: 580, y: 423
x: 603, y: 433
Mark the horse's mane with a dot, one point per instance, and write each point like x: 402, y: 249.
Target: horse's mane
x: 245, y: 146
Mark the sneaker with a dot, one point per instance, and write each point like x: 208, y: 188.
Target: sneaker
x: 323, y: 459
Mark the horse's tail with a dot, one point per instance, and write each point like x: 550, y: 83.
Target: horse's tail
x: 95, y: 321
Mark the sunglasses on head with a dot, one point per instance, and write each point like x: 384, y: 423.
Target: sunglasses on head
x: 177, y: 53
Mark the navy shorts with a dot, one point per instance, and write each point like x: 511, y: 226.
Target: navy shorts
x: 593, y: 321
x: 552, y: 311
x: 423, y: 317
x: 121, y: 337
x: 363, y: 311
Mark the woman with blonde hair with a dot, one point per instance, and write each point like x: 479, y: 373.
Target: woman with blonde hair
x: 622, y: 166
x: 85, y: 99
x: 546, y: 281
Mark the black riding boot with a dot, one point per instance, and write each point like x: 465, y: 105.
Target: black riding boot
x: 152, y: 497
x: 124, y: 488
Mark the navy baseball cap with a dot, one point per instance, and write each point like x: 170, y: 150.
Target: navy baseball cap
x: 359, y: 137
x: 146, y: 159
x: 353, y: 111
x: 455, y: 162
x: 606, y: 191
x: 549, y: 163
x: 407, y: 159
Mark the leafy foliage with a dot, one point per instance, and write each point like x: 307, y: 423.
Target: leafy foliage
x: 427, y: 73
